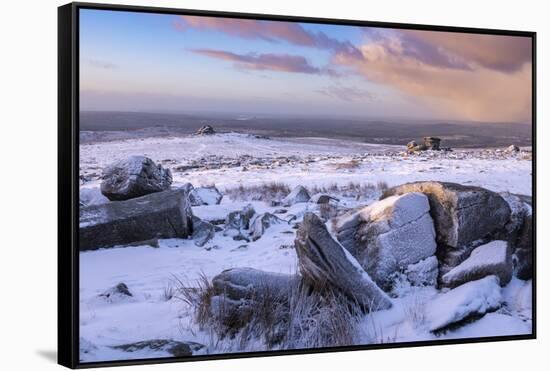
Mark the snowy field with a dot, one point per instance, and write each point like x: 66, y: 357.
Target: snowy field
x: 317, y: 162
x: 152, y: 274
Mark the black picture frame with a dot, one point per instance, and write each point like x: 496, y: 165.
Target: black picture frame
x: 68, y: 175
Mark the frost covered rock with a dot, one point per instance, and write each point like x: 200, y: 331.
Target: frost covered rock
x: 512, y: 149
x: 261, y: 223
x: 411, y: 144
x: 464, y: 217
x: 237, y: 223
x: 432, y: 143
x: 518, y: 211
x: 132, y: 177
x: 461, y: 214
x: 205, y: 130
x: 472, y: 298
x: 248, y: 283
x: 389, y: 235
x: 205, y: 196
x: 523, y: 252
x: 518, y: 232
x: 187, y: 187
x: 322, y: 198
x: 91, y: 196
x: 203, y: 231
x: 423, y: 273
x: 237, y: 291
x: 158, y: 215
x: 325, y: 264
x: 116, y: 293
x: 169, y: 346
x: 493, y: 258
x: 298, y: 194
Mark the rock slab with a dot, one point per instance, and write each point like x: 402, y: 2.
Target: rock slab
x: 493, y: 258
x: 325, y: 264
x: 471, y: 299
x: 157, y: 215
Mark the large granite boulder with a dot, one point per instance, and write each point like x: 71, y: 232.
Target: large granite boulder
x: 133, y: 177
x: 326, y: 265
x: 462, y: 214
x: 464, y: 217
x: 493, y: 258
x: 157, y: 215
x: 389, y: 235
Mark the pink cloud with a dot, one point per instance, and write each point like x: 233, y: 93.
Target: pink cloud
x: 272, y: 62
x: 496, y: 52
x: 272, y: 31
x: 470, y: 84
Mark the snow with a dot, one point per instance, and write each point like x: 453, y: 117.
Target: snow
x: 378, y: 163
x: 518, y: 295
x: 150, y: 272
x: 475, y: 297
x: 492, y: 324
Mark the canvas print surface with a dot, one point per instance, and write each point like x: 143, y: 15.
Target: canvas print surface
x: 250, y: 185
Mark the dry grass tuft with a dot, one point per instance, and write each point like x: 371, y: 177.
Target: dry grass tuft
x: 301, y: 319
x: 273, y: 191
x: 352, y: 164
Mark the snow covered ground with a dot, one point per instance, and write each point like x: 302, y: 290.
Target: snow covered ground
x: 151, y: 274
x: 320, y: 161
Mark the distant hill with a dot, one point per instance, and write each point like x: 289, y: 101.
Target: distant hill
x: 454, y: 134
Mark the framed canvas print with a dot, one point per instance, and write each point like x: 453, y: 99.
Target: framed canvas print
x: 238, y: 185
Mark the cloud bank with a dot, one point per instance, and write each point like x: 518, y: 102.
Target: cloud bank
x: 476, y: 77
x: 456, y: 75
x: 271, y: 31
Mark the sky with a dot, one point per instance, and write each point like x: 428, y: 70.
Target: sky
x: 132, y: 61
